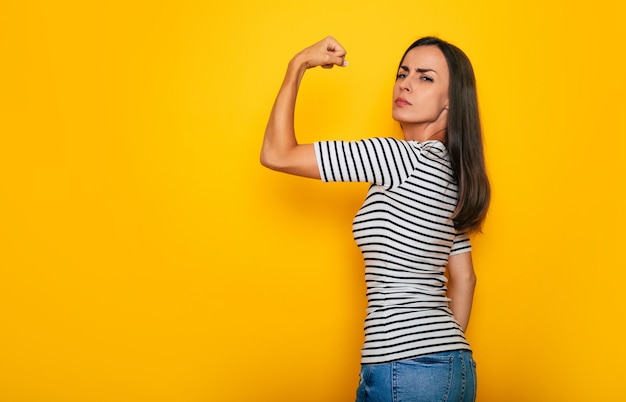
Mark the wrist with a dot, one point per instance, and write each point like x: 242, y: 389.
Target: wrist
x: 298, y: 64
x: 295, y: 72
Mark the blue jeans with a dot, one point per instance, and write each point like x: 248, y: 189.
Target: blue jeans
x: 438, y: 377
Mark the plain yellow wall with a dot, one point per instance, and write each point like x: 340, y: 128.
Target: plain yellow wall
x: 145, y: 255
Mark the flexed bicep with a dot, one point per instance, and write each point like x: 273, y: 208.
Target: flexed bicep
x: 299, y: 160
x: 280, y: 150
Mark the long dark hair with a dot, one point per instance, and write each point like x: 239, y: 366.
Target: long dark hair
x: 463, y: 137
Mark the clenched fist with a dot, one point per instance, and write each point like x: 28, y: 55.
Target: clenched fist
x: 326, y: 53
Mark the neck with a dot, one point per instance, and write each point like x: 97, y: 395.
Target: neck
x: 423, y: 134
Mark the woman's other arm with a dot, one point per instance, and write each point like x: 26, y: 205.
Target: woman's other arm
x: 280, y: 150
x: 462, y: 281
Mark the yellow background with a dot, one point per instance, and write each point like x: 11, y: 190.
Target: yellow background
x: 145, y: 254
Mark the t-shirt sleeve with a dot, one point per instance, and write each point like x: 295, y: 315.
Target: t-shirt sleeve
x: 461, y: 244
x: 383, y: 161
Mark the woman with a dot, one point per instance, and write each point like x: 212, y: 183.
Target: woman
x: 429, y: 192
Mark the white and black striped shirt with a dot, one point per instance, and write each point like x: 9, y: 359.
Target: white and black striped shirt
x: 405, y: 232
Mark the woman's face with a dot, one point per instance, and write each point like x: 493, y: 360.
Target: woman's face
x: 420, y: 94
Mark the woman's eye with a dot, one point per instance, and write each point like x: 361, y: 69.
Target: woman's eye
x: 425, y: 78
x: 400, y: 75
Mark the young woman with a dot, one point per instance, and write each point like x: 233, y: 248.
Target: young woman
x: 429, y: 192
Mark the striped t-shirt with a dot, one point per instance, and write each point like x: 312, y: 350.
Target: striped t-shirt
x: 405, y: 232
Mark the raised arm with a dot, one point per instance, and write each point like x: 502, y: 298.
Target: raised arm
x: 462, y: 281
x: 280, y: 150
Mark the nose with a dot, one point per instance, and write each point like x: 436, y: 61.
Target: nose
x: 405, y: 85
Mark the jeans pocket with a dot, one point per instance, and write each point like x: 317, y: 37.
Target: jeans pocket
x: 426, y: 378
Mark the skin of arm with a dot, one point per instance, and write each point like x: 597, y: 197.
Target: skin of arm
x: 280, y: 150
x: 461, y: 284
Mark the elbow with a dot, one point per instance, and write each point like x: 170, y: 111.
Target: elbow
x: 275, y: 158
x: 268, y: 161
x: 264, y: 157
x: 467, y: 280
x: 470, y: 279
x: 264, y: 160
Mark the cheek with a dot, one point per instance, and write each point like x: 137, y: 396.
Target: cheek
x: 443, y: 97
x: 434, y: 101
x: 434, y: 104
x: 443, y: 100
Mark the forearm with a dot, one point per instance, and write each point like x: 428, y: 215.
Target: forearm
x: 461, y: 294
x: 280, y: 134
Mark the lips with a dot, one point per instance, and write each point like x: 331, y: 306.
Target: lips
x: 401, y: 102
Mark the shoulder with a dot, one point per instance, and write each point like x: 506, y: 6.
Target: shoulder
x: 389, y: 143
x: 435, y: 150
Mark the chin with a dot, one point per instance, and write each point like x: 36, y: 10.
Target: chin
x: 402, y: 119
x: 397, y: 116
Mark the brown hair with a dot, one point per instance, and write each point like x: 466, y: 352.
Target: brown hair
x: 463, y: 137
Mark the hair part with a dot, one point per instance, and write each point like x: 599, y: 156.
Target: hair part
x: 463, y: 137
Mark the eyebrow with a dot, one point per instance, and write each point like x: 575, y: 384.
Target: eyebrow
x: 419, y: 70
